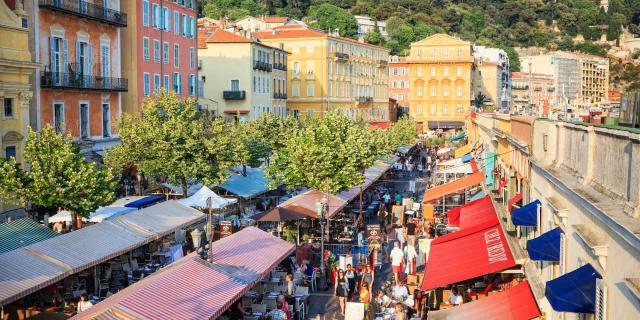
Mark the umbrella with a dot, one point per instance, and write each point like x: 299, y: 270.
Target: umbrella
x: 279, y: 214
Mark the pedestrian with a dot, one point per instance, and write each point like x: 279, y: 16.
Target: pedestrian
x: 410, y: 257
x: 278, y: 313
x: 397, y: 260
x: 398, y: 198
x: 84, y: 303
x: 342, y: 289
x: 365, y: 296
x: 400, y: 236
x: 410, y: 230
x: 387, y: 200
x: 366, y: 278
x: 352, y: 276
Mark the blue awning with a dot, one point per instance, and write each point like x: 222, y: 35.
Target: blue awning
x: 146, y: 201
x: 249, y: 186
x: 458, y: 137
x: 527, y: 215
x: 467, y: 157
x: 574, y: 291
x: 546, y: 247
x: 477, y: 196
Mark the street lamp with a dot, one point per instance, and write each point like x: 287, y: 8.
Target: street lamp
x: 321, y: 208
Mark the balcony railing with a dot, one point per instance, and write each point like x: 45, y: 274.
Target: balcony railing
x: 259, y: 65
x: 87, y: 10
x: 364, y: 99
x: 340, y: 56
x: 278, y: 95
x: 280, y: 66
x: 234, y: 94
x: 74, y: 80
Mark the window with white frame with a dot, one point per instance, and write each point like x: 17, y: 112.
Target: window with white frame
x: 434, y: 109
x: 419, y: 90
x: 10, y: 152
x: 177, y: 83
x: 155, y: 16
x: 419, y: 109
x: 84, y: 120
x: 156, y: 50
x: 156, y: 83
x: 184, y: 25
x: 445, y: 71
x: 419, y: 71
x: 445, y: 109
x: 106, y: 120
x: 459, y: 90
x: 295, y: 89
x: 58, y: 116
x: 235, y: 85
x: 176, y: 22
x: 445, y: 90
x: 166, y: 19
x: 147, y: 84
x: 176, y: 55
x: 192, y: 85
x: 601, y: 300
x: 459, y: 71
x: 145, y: 48
x: 459, y: 108
x: 165, y: 52
x: 296, y: 67
x: 145, y: 13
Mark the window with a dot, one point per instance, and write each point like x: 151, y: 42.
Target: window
x: 434, y: 90
x: 106, y: 120
x: 254, y: 83
x: 419, y: 71
x: 145, y: 48
x: 419, y: 109
x: 8, y: 107
x: 184, y: 25
x: 165, y: 84
x: 58, y: 117
x: 177, y: 85
x: 419, y: 90
x: 105, y: 59
x: 176, y: 55
x: 434, y: 109
x: 310, y: 66
x: 156, y: 50
x: 176, y: 22
x: 192, y: 57
x: 145, y: 13
x: 433, y: 53
x: 192, y: 84
x: 459, y: 108
x: 84, y: 120
x: 235, y: 85
x: 295, y: 89
x: 446, y: 53
x: 459, y: 90
x: 165, y: 52
x: 166, y: 21
x: 193, y: 27
x: 200, y: 88
x: 545, y: 142
x: 296, y: 67
x: 155, y: 18
x: 310, y: 90
x: 459, y: 71
x: 10, y: 152
x: 156, y: 84
x: 445, y: 90
x: 147, y: 84
x: 446, y: 71
x: 445, y: 109
x: 433, y: 71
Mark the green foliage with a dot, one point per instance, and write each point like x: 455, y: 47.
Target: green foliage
x: 58, y: 177
x: 173, y: 140
x: 514, y: 58
x: 329, y: 17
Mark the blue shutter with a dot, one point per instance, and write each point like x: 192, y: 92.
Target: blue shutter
x: 77, y: 55
x: 65, y: 61
x: 90, y: 59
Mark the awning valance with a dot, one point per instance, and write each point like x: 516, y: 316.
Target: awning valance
x: 546, y: 247
x: 527, y: 215
x: 466, y: 254
x: 458, y: 137
x: 462, y: 151
x: 513, y: 201
x: 515, y: 303
x: 473, y: 213
x: 442, y: 190
x: 574, y: 291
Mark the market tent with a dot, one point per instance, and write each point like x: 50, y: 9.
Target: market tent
x: 404, y: 149
x: 527, y: 215
x: 193, y: 288
x: 464, y: 168
x: 458, y: 137
x: 31, y: 268
x: 442, y: 190
x: 371, y: 175
x: 466, y: 254
x: 470, y: 214
x: 517, y: 303
x: 462, y: 151
x: 200, y: 199
x: 104, y: 213
x: 306, y: 202
x: 280, y: 214
x: 249, y: 186
x: 451, y: 162
x: 191, y: 188
x: 146, y: 201
x: 61, y: 216
x: 574, y: 291
x: 546, y: 247
x: 22, y: 232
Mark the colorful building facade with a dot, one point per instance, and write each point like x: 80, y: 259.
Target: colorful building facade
x: 327, y: 72
x: 532, y: 93
x: 399, y: 80
x: 440, y: 72
x: 159, y: 50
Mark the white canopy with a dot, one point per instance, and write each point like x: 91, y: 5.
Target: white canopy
x: 451, y: 163
x: 61, y: 216
x: 443, y: 151
x: 461, y: 168
x: 104, y: 213
x: 199, y: 199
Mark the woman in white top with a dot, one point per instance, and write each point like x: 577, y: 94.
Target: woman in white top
x: 84, y: 303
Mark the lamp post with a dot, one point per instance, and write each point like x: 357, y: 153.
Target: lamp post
x: 321, y: 208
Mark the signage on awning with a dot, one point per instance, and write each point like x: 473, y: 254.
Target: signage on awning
x: 374, y: 235
x: 226, y: 228
x: 466, y: 254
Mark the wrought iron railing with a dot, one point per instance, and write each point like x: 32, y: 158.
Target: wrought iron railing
x: 87, y: 10
x: 77, y: 80
x: 234, y: 94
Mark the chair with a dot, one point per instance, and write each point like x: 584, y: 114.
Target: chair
x: 259, y: 308
x: 269, y: 287
x: 300, y: 309
x: 312, y: 280
x: 270, y: 303
x: 302, y: 291
x: 483, y: 292
x: 282, y: 288
x: 134, y: 264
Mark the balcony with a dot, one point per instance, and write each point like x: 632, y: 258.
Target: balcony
x: 259, y: 65
x: 234, y: 94
x: 280, y: 66
x: 75, y: 80
x: 87, y: 10
x: 364, y: 99
x: 382, y: 63
x: 340, y: 56
x: 278, y: 95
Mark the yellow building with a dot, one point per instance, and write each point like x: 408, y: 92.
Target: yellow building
x: 327, y: 72
x: 440, y: 73
x: 15, y: 90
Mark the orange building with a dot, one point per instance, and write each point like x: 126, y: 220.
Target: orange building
x: 399, y: 80
x: 80, y: 81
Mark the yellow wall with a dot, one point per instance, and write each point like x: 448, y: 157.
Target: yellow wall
x: 486, y: 81
x: 313, y: 63
x: 446, y: 94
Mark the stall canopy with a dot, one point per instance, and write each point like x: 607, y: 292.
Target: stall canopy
x: 575, y: 291
x: 22, y: 232
x: 200, y: 199
x: 527, y: 215
x: 517, y: 303
x: 451, y: 162
x: 466, y: 254
x: 280, y: 214
x: 467, y: 157
x: 464, y: 168
x: 546, y: 247
x: 442, y: 190
x: 442, y: 151
x: 462, y: 151
x: 146, y: 201
x: 61, y: 216
x: 490, y: 162
x: 249, y: 186
x: 105, y: 213
x: 306, y: 202
x: 513, y: 201
x: 193, y: 288
x: 458, y: 137
x: 475, y: 212
x: 191, y: 188
x: 404, y: 149
x: 30, y: 268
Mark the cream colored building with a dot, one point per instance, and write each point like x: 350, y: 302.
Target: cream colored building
x: 440, y: 71
x: 253, y: 24
x: 241, y: 77
x: 328, y: 72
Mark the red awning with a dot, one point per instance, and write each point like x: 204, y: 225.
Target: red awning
x: 466, y: 254
x: 473, y: 213
x: 474, y: 165
x: 517, y: 303
x: 380, y: 125
x: 192, y: 288
x: 513, y: 201
x: 307, y: 201
x: 502, y: 184
x: 452, y: 187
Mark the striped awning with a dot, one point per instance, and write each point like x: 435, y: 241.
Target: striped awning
x: 192, y: 288
x: 22, y: 232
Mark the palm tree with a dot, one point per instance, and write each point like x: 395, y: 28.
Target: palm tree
x: 479, y: 100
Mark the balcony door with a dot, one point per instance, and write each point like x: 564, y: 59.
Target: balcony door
x: 57, y: 59
x: 235, y: 85
x: 84, y: 120
x: 106, y: 120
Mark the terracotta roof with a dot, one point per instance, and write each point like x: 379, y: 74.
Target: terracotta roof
x: 275, y: 19
x: 283, y: 34
x: 221, y: 36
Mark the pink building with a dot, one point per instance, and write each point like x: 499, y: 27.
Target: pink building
x: 159, y: 50
x: 399, y: 80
